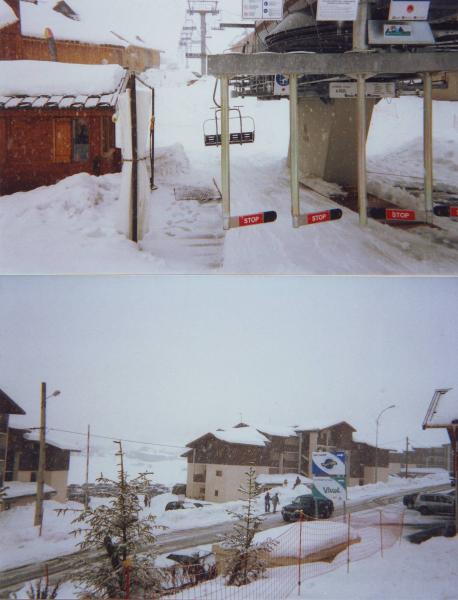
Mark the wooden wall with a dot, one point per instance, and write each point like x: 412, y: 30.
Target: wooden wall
x: 35, y: 147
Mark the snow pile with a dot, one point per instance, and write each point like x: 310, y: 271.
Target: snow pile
x: 319, y: 535
x: 117, y: 22
x: 241, y: 435
x: 170, y: 161
x: 7, y: 15
x: 38, y: 77
x: 290, y: 478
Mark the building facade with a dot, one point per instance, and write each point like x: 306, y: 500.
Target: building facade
x: 218, y: 461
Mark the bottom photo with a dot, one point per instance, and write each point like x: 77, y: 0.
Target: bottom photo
x: 228, y: 437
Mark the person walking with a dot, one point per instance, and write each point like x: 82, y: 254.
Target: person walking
x: 267, y: 502
x: 275, y: 502
x: 297, y: 482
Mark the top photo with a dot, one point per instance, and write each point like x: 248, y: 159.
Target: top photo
x: 314, y: 137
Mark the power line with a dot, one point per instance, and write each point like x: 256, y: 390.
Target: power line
x: 112, y: 438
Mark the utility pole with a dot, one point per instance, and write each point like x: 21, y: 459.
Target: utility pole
x: 42, y: 458
x: 202, y: 8
x: 407, y: 457
x: 86, y: 491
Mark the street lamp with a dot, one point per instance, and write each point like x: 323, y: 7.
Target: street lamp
x: 376, y: 438
x: 42, y: 457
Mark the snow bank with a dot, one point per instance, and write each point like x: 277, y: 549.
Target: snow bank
x: 39, y: 77
x: 16, y: 489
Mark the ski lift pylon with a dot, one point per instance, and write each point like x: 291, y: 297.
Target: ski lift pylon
x: 241, y: 128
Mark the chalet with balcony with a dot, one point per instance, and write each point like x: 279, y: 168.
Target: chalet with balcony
x: 218, y: 460
x: 7, y: 407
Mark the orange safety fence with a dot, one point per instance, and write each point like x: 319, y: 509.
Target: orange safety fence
x: 304, y: 550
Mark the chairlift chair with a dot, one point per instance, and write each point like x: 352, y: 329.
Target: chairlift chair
x: 241, y: 128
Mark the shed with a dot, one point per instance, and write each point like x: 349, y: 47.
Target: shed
x: 56, y: 120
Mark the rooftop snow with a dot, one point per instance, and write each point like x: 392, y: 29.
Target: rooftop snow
x: 17, y: 489
x: 35, y: 77
x: 242, y: 435
x: 114, y: 22
x: 445, y: 411
x: 279, y: 479
x: 7, y: 16
x: 277, y: 430
x: 34, y: 436
x: 314, y: 424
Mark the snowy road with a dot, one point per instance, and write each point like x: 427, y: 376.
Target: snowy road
x: 13, y: 579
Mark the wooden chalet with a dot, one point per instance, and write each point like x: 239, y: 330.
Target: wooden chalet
x: 56, y: 120
x: 15, y: 45
x: 7, y: 407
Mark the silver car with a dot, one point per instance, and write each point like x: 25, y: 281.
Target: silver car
x: 434, y: 504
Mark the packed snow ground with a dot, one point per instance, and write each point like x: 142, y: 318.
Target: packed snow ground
x: 22, y: 545
x: 71, y: 227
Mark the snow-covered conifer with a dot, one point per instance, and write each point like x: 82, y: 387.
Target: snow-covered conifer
x: 122, y: 537
x: 247, y: 561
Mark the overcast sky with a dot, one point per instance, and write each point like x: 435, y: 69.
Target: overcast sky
x: 164, y: 359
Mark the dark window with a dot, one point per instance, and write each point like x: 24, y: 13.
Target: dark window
x: 216, y: 493
x: 80, y: 138
x: 202, y: 490
x: 108, y: 134
x: 219, y: 473
x: 33, y: 476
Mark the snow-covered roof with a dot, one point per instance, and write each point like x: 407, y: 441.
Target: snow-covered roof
x: 443, y: 409
x: 115, y: 22
x: 319, y: 424
x: 426, y: 470
x: 17, y: 489
x: 277, y: 430
x: 34, y: 436
x: 241, y: 435
x: 39, y: 82
x: 7, y: 16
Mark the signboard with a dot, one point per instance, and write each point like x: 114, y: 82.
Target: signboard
x: 374, y: 89
x: 268, y: 216
x: 325, y: 215
x: 262, y: 10
x: 415, y: 10
x: 397, y: 30
x: 443, y: 210
x: 393, y: 214
x: 337, y: 10
x: 281, y: 85
x: 329, y: 475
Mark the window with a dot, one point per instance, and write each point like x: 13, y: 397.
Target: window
x: 80, y: 139
x: 202, y: 490
x: 108, y: 134
x: 219, y: 473
x: 216, y: 493
x: 33, y: 476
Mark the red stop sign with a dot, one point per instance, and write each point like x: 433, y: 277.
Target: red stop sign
x: 400, y: 215
x: 410, y: 8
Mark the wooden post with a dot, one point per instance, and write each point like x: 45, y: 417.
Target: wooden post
x: 41, y: 461
x: 381, y: 535
x: 299, y: 557
x: 134, y: 181
x: 348, y: 543
x: 152, y: 136
x: 86, y: 494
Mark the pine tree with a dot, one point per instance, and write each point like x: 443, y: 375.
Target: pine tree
x: 247, y: 561
x: 118, y: 530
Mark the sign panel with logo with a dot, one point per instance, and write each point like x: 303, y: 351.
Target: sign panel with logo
x: 269, y: 10
x: 329, y: 475
x: 337, y: 10
x: 415, y: 10
x: 281, y: 85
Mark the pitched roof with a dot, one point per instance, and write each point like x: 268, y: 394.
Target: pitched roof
x: 43, y: 84
x: 7, y: 15
x: 9, y: 406
x: 319, y: 425
x: 442, y: 410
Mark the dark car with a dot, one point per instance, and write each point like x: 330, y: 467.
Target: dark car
x: 409, y: 499
x: 307, y: 506
x: 178, y: 504
x: 435, y: 504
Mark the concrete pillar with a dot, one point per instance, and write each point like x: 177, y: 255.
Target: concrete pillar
x: 328, y: 139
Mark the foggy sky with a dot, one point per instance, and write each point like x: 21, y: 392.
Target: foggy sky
x: 166, y: 358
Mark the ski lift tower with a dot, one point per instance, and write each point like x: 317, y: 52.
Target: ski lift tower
x: 202, y: 8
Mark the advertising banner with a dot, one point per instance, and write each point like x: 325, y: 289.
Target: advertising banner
x: 329, y: 476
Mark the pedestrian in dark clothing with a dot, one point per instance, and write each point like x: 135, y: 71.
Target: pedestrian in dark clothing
x: 275, y: 502
x: 267, y: 502
x: 297, y: 482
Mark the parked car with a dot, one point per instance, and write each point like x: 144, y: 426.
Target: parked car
x: 307, y: 506
x: 435, y: 504
x: 179, y: 504
x: 409, y: 499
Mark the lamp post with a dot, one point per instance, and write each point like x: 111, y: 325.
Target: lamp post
x: 376, y: 438
x: 42, y: 457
